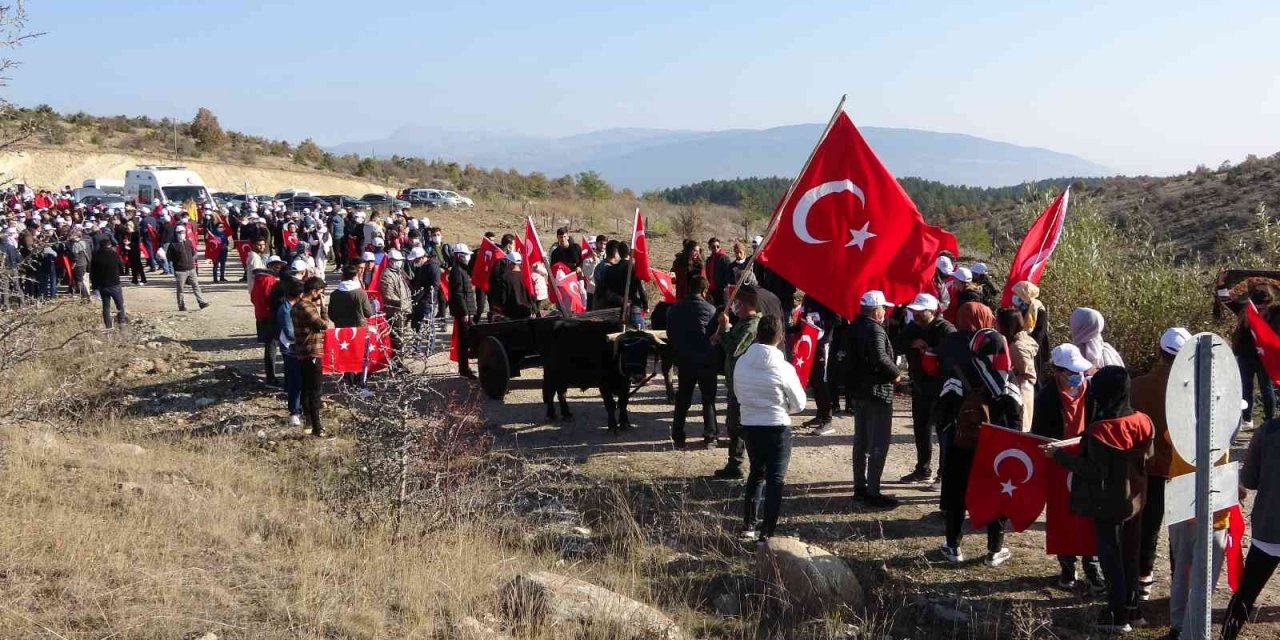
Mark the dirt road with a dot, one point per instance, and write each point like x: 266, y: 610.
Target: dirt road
x: 899, y: 546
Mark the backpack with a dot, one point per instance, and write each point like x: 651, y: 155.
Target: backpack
x: 972, y: 415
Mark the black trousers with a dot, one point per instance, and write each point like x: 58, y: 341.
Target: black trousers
x: 733, y: 424
x: 1117, y: 553
x: 1152, y: 522
x: 818, y: 381
x: 108, y: 295
x: 269, y: 349
x: 955, y: 531
x: 769, y: 449
x: 921, y: 407
x: 1258, y: 567
x: 460, y: 324
x: 685, y: 384
x: 311, y: 377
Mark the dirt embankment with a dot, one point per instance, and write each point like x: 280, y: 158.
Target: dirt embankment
x: 55, y: 167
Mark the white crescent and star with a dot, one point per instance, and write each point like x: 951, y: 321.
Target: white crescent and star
x: 801, y: 358
x: 800, y: 215
x: 1007, y: 487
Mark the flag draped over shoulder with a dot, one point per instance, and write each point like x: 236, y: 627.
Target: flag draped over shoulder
x: 803, y: 350
x: 848, y: 227
x: 1041, y: 239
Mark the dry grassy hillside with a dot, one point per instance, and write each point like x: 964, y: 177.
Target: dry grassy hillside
x: 47, y: 166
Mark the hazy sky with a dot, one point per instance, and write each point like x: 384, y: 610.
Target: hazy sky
x: 1143, y: 87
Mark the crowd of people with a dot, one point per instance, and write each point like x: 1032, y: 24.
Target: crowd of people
x: 963, y: 358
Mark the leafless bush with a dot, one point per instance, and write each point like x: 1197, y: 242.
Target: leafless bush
x: 416, y: 450
x: 688, y: 221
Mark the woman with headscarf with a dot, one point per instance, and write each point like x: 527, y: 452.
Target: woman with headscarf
x: 977, y: 390
x: 1086, y: 333
x: 1022, y: 350
x: 1109, y: 486
x: 1035, y: 320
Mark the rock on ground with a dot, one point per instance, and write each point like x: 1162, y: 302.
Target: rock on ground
x: 806, y: 576
x: 547, y: 598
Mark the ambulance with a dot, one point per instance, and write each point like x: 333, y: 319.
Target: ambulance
x: 170, y: 186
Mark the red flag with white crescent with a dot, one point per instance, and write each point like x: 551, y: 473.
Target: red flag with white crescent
x: 804, y: 350
x: 666, y: 284
x: 344, y: 349
x: 848, y: 227
x: 586, y: 248
x: 487, y: 255
x: 379, y: 344
x: 1235, y: 547
x: 1266, y: 341
x: 532, y: 249
x: 640, y: 249
x: 1065, y: 533
x: 1003, y: 481
x: 1039, y: 243
x: 568, y: 290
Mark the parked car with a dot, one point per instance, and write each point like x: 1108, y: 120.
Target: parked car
x: 455, y: 199
x: 384, y: 201
x: 345, y: 202
x: 238, y: 200
x: 113, y: 204
x: 298, y: 203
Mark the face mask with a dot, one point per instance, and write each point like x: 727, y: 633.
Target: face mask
x: 1075, y: 380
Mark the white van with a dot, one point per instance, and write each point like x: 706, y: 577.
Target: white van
x: 106, y: 185
x: 170, y: 186
x: 294, y: 192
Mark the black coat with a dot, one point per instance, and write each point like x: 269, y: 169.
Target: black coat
x: 610, y: 290
x: 181, y: 254
x: 871, y: 368
x: 462, y: 294
x: 933, y: 335
x: 105, y: 267
x: 690, y: 324
x: 512, y: 297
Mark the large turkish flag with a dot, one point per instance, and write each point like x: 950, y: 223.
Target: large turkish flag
x: 344, y: 349
x: 1003, y: 481
x: 640, y: 249
x: 1065, y: 533
x: 487, y: 254
x: 848, y: 228
x: 1039, y: 243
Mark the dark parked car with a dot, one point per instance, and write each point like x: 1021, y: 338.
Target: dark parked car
x: 384, y: 201
x: 345, y: 202
x: 298, y: 203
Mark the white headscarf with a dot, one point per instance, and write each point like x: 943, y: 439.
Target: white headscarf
x: 1086, y: 333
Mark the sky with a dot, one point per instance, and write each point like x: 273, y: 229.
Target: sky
x: 1142, y: 87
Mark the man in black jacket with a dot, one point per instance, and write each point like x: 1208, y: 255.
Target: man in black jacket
x: 462, y: 305
x: 613, y: 287
x: 424, y: 285
x: 104, y: 275
x: 919, y: 341
x: 872, y: 375
x: 690, y: 324
x: 719, y: 270
x: 565, y: 251
x: 181, y: 254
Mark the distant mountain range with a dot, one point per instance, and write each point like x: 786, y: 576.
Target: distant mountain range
x: 644, y: 159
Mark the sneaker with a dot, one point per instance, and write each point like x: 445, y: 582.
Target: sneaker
x: 952, y: 554
x: 295, y: 421
x: 749, y: 535
x: 1134, y: 614
x: 1144, y: 588
x: 1108, y: 623
x: 813, y: 422
x: 859, y: 493
x: 824, y: 429
x: 880, y: 501
x: 1067, y: 579
x: 204, y: 304
x: 1097, y: 586
x: 919, y: 475
x: 998, y: 558
x: 319, y: 433
x: 728, y: 473
x: 364, y: 393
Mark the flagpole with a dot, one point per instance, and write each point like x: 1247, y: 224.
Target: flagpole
x: 626, y: 288
x: 546, y: 263
x: 777, y: 214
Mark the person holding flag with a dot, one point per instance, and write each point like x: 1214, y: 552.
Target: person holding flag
x: 825, y: 320
x: 564, y: 252
x: 1110, y: 486
x: 1261, y: 473
x: 920, y: 340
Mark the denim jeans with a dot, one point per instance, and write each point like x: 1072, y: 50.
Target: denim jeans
x: 769, y: 451
x: 293, y: 384
x: 1251, y: 369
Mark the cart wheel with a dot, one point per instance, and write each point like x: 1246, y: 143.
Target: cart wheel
x: 495, y: 369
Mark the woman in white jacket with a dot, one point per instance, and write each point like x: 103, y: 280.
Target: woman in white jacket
x: 768, y: 391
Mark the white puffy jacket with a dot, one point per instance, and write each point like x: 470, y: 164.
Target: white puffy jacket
x: 767, y: 387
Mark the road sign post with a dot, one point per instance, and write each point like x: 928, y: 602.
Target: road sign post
x: 1202, y: 402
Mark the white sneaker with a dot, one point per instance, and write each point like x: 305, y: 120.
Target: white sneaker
x: 749, y: 535
x: 295, y: 421
x: 824, y: 429
x: 998, y: 558
x: 952, y: 554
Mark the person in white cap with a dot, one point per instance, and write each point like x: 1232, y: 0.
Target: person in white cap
x: 397, y: 300
x: 368, y: 265
x: 872, y: 375
x: 988, y: 289
x: 1061, y: 413
x: 462, y: 306
x: 424, y: 285
x: 181, y: 253
x: 919, y: 341
x: 513, y: 300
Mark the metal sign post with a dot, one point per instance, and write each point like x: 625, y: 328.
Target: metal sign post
x: 1202, y: 402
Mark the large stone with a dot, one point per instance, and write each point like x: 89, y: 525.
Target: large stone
x: 806, y: 576
x: 549, y: 599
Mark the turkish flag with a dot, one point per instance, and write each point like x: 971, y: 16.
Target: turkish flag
x: 380, y: 352
x: 640, y: 249
x: 803, y: 350
x: 532, y: 255
x: 568, y: 290
x: 375, y: 284
x: 1028, y: 264
x: 1065, y: 533
x: 212, y: 246
x: 243, y: 247
x: 1235, y: 549
x: 487, y: 254
x: 664, y: 281
x: 344, y: 349
x: 1003, y: 481
x: 848, y: 228
x: 1266, y: 341
x: 444, y: 284
x: 586, y: 248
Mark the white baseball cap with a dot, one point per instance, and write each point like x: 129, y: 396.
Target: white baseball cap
x: 379, y: 242
x: 979, y: 268
x: 367, y: 257
x: 944, y: 265
x: 462, y: 248
x: 875, y: 298
x: 395, y: 254
x: 299, y: 265
x: 274, y: 259
x: 1068, y: 356
x: 924, y: 302
x: 1173, y: 339
x: 514, y: 257
x: 963, y: 274
x: 755, y: 242
x: 417, y: 252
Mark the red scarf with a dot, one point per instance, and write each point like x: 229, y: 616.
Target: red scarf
x: 1073, y: 418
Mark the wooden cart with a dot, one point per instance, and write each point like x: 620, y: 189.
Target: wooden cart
x: 502, y: 348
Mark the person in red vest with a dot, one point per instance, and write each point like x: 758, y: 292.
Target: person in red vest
x: 264, y: 280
